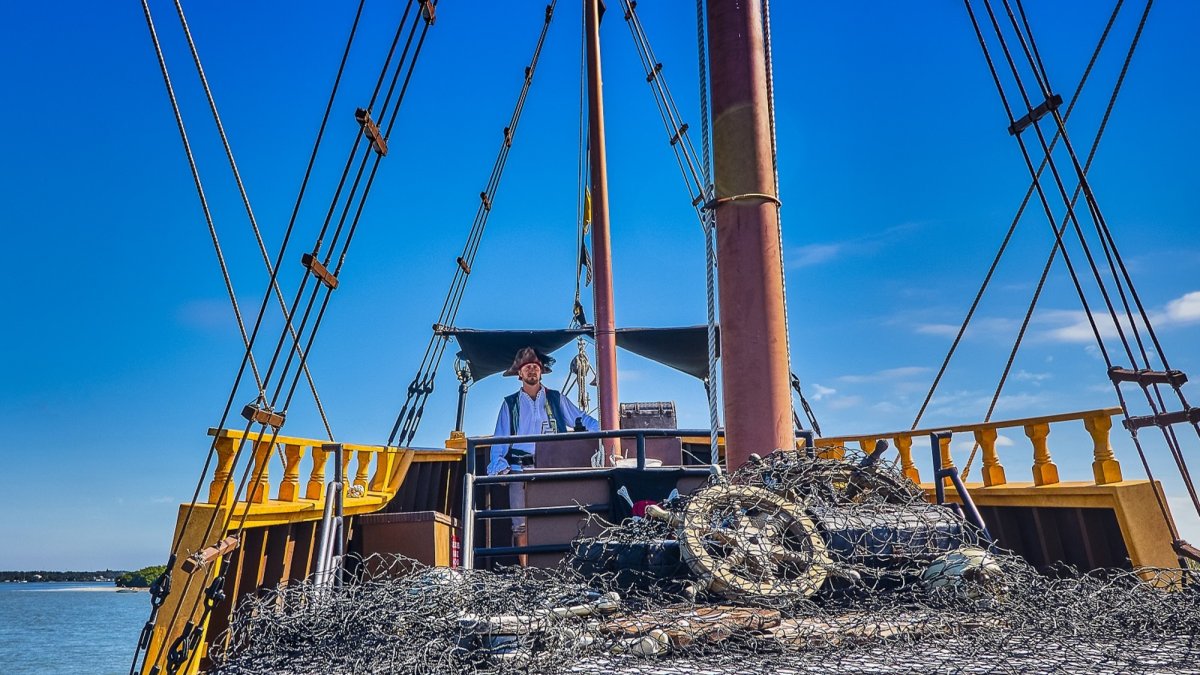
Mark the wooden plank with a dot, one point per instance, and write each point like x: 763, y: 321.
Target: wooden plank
x: 254, y: 549
x: 280, y: 545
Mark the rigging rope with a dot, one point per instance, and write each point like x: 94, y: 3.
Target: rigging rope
x: 710, y: 235
x: 1012, y: 228
x: 212, y: 104
x: 1074, y: 198
x: 696, y: 170
x: 409, y: 417
x: 263, y: 414
x: 1150, y: 388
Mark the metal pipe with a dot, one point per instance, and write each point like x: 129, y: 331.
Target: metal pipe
x: 939, y: 487
x: 462, y: 406
x: 338, y: 547
x: 572, y: 509
x: 323, y: 538
x: 755, y: 373
x: 468, y: 522
x: 468, y: 511
x: 602, y: 290
x: 578, y: 474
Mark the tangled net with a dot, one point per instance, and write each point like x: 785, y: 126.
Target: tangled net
x: 794, y: 565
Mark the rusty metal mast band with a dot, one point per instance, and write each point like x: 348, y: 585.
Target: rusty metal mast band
x: 755, y: 376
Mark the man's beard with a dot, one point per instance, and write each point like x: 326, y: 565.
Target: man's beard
x: 531, y: 380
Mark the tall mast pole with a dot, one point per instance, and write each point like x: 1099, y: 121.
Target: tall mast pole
x: 602, y: 291
x: 758, y: 406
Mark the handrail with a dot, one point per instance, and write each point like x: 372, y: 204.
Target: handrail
x: 1105, y: 467
x: 470, y: 479
x: 378, y: 473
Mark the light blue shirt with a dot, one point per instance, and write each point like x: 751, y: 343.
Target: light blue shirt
x: 531, y: 419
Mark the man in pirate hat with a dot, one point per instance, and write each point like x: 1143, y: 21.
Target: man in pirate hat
x: 533, y: 409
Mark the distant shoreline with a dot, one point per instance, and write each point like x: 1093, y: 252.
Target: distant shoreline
x: 107, y: 576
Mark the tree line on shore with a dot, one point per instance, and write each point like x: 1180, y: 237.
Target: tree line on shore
x: 135, y: 579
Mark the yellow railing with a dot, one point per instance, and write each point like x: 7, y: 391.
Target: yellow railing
x: 1105, y: 467
x: 377, y: 470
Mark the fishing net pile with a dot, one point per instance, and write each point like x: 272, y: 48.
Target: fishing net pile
x: 795, y: 564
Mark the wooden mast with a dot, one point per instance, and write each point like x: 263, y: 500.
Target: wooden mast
x: 758, y: 407
x: 602, y: 291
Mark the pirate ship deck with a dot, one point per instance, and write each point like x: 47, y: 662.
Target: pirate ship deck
x: 280, y: 511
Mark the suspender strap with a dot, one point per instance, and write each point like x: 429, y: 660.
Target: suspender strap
x: 552, y: 403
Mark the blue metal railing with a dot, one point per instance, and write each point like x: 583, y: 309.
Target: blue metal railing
x: 470, y: 514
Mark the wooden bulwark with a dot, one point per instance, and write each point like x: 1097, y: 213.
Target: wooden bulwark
x: 1105, y: 522
x: 282, y: 509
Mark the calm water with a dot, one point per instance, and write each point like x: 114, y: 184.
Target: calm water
x: 69, y: 628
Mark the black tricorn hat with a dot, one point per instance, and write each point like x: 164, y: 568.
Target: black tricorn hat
x: 529, y: 355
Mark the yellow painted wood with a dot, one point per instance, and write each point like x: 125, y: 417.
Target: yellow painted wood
x: 223, y: 489
x: 993, y: 472
x: 383, y: 469
x: 347, y: 455
x: 904, y: 447
x: 1045, y: 471
x: 1146, y: 533
x: 963, y: 428
x: 289, y: 488
x: 401, y: 470
x: 316, y: 480
x: 364, y: 468
x: 260, y: 475
x: 830, y: 451
x: 191, y: 526
x: 1106, y: 469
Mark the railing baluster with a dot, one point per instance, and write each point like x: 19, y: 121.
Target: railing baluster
x: 993, y: 472
x: 364, y: 467
x: 904, y: 447
x: 316, y: 480
x: 1105, y: 468
x: 289, y: 487
x: 260, y: 475
x: 226, y: 448
x: 1045, y: 472
x: 345, y: 470
x: 383, y: 468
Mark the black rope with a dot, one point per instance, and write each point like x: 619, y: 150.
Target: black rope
x: 212, y: 104
x: 296, y: 335
x: 409, y: 417
x: 1073, y: 220
x: 1012, y: 229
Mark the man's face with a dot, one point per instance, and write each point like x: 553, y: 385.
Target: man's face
x: 531, y: 374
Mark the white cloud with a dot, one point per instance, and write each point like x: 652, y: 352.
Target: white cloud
x: 1036, y: 378
x: 813, y: 254
x: 937, y: 329
x: 1184, y: 309
x: 206, y: 314
x: 1072, y: 326
x: 845, y: 402
x: 819, y: 392
x: 889, y: 374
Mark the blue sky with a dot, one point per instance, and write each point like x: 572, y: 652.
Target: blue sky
x: 898, y: 181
